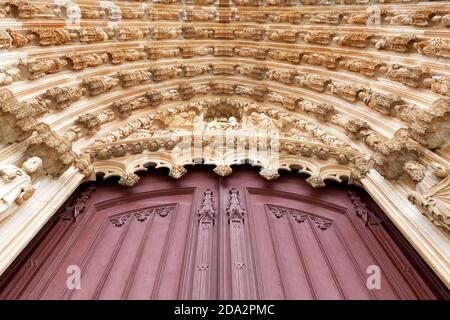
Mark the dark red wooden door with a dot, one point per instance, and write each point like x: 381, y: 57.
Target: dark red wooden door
x: 207, y: 237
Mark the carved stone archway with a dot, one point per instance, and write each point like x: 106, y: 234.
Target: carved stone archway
x: 370, y: 107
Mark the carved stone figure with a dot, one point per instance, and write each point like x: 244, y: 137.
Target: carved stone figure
x: 131, y: 33
x: 64, y: 96
x: 191, y: 70
x: 256, y: 72
x: 38, y: 68
x: 410, y: 76
x: 223, y: 51
x: 355, y: 39
x: 289, y: 102
x: 285, y: 76
x: 53, y: 37
x: 162, y: 73
x: 155, y: 53
x: 132, y: 78
x: 92, y: 13
x: 319, y: 37
x: 16, y: 185
x: 8, y: 75
x: 5, y: 39
x: 161, y: 33
x: 93, y: 121
x: 284, y: 36
x: 251, y: 16
x: 313, y: 81
x: 367, y: 67
x: 80, y: 61
x: 251, y: 34
x: 348, y: 91
x: 158, y: 15
x: 99, y: 85
x: 223, y: 69
x: 438, y: 84
x: 322, y: 111
x: 119, y: 56
x: 415, y: 170
x: 326, y: 60
x: 18, y: 39
x: 380, y: 101
x: 92, y: 34
x: 27, y: 9
x: 435, y: 47
x: 293, y: 56
x: 326, y: 18
x: 401, y: 43
x: 131, y: 13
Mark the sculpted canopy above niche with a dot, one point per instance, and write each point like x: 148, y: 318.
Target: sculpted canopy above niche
x: 340, y: 90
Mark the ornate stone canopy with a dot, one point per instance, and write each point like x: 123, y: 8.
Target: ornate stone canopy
x: 354, y: 91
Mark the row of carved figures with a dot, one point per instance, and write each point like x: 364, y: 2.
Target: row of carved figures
x: 334, y: 16
x: 24, y: 9
x: 404, y: 43
x: 415, y: 77
x: 385, y: 103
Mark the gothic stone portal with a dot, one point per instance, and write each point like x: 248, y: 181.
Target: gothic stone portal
x: 209, y: 237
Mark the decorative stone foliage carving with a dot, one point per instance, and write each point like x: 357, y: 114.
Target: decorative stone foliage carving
x: 434, y: 203
x: 435, y: 47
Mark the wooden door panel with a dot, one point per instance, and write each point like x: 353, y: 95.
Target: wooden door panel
x: 208, y: 237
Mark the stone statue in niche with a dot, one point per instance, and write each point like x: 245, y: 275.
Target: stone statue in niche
x: 16, y: 185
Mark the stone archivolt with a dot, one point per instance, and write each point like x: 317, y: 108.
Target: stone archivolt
x: 148, y: 80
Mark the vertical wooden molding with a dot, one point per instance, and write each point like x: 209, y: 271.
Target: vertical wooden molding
x: 202, y: 273
x: 236, y: 216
